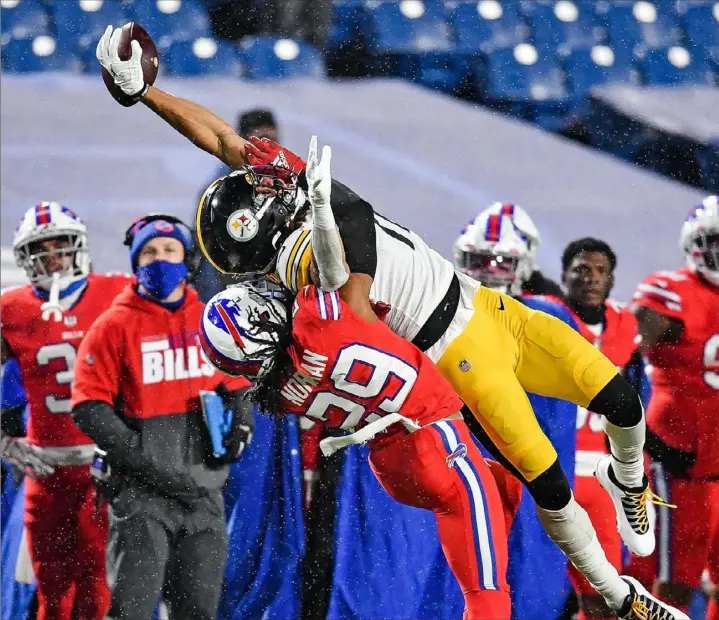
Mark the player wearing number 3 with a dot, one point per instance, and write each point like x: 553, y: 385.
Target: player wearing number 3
x: 43, y: 324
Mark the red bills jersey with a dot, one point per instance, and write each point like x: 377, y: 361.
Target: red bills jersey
x: 684, y: 409
x: 350, y: 372
x: 148, y: 358
x: 617, y: 342
x: 46, y: 353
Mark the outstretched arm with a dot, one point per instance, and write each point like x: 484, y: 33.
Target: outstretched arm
x: 200, y: 126
x: 197, y: 124
x: 330, y: 270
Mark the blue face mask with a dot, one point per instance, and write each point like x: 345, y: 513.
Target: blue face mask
x: 161, y: 277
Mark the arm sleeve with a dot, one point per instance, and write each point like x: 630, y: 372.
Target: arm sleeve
x: 99, y: 421
x: 327, y: 248
x: 98, y: 366
x: 355, y: 221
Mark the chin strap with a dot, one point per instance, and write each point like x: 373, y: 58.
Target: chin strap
x: 52, y: 305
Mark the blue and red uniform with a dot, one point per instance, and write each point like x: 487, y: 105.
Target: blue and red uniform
x: 66, y: 533
x: 351, y: 374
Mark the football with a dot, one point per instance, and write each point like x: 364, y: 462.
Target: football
x: 150, y: 60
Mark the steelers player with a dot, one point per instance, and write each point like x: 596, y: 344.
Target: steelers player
x: 491, y: 347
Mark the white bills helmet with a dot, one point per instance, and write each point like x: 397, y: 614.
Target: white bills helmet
x: 43, y: 222
x: 700, y: 239
x: 498, y: 248
x: 241, y: 330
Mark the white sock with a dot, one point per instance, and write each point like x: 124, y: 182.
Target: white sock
x: 626, y: 445
x: 571, y: 529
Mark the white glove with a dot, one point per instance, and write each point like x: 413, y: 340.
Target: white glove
x: 127, y: 74
x: 26, y: 457
x: 326, y: 244
x: 319, y: 182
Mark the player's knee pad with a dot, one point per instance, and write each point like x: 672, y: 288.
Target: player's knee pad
x: 619, y: 403
x: 551, y: 489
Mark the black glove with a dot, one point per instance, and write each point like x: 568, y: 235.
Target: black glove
x: 243, y: 424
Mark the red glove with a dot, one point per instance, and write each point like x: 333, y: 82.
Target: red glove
x: 263, y: 152
x: 380, y: 308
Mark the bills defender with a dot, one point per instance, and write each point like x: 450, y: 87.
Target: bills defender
x: 678, y: 314
x: 588, y: 267
x: 329, y: 357
x: 490, y: 347
x: 498, y: 249
x: 43, y: 324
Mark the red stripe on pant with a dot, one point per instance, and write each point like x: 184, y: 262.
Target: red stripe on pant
x: 67, y: 537
x: 414, y: 470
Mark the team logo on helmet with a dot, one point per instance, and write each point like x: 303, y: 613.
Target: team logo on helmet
x: 243, y: 225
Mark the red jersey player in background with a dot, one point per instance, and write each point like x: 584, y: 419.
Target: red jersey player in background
x: 588, y: 276
x: 42, y: 326
x: 335, y: 362
x: 678, y: 314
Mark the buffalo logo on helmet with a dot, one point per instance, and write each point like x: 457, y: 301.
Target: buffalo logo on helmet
x: 223, y: 353
x: 242, y: 225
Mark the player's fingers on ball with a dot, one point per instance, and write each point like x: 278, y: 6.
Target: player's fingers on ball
x: 136, y: 49
x: 101, y: 49
x: 114, y: 47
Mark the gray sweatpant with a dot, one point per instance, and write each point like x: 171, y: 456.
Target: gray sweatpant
x: 157, y: 547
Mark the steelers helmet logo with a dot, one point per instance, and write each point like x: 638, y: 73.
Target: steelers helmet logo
x: 242, y: 225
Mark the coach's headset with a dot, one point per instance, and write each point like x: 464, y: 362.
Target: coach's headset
x: 192, y: 255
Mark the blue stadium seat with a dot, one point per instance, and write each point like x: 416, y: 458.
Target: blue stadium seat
x: 172, y: 20
x: 539, y: 77
x: 25, y: 20
x: 675, y: 65
x: 81, y: 24
x: 487, y: 24
x: 596, y: 66
x: 267, y: 57
x: 348, y: 21
x: 563, y: 25
x: 701, y: 24
x: 202, y: 56
x: 634, y: 23
x: 39, y: 54
x: 407, y: 27
x: 441, y: 71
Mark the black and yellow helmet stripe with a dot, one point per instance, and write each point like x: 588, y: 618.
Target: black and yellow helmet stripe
x: 198, y: 227
x: 294, y: 256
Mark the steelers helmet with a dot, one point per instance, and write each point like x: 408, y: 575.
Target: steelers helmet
x: 243, y: 218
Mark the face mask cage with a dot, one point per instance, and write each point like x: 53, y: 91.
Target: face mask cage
x: 267, y: 327
x: 71, y: 260
x: 705, y: 251
x: 492, y: 270
x: 275, y: 181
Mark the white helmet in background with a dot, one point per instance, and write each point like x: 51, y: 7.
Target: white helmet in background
x: 700, y: 239
x: 43, y: 222
x: 498, y: 248
x: 242, y: 329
